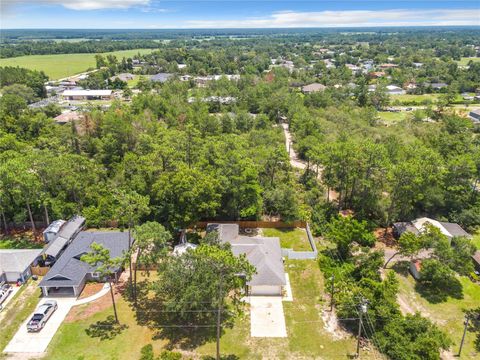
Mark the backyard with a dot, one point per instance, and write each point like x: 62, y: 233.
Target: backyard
x: 19, y: 241
x: 63, y: 65
x: 448, y: 315
x: 290, y: 238
x: 307, y: 336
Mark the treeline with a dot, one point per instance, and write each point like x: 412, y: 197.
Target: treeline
x: 72, y: 47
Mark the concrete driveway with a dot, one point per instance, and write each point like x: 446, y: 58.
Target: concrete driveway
x: 24, y: 341
x: 266, y: 317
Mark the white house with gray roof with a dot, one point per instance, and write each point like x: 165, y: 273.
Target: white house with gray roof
x: 417, y: 226
x: 15, y: 263
x: 264, y: 253
x: 69, y: 274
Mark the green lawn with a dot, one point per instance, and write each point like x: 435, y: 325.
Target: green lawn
x: 448, y: 315
x: 17, y: 311
x: 63, y: 65
x: 295, y: 239
x: 389, y: 116
x: 419, y: 99
x: 476, y: 240
x: 307, y: 337
x: 19, y: 243
x: 465, y: 60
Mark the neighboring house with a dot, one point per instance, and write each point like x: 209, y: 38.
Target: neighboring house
x: 450, y: 230
x: 474, y: 115
x: 395, y: 90
x: 123, y: 76
x: 376, y: 74
x: 415, y: 268
x: 313, y: 88
x: 68, y: 117
x: 87, y: 94
x: 64, y: 236
x: 476, y: 260
x: 264, y: 253
x: 15, y: 263
x: 438, y: 86
x: 69, y: 274
x: 161, y: 77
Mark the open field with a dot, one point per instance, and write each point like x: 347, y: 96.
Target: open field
x: 389, y: 116
x: 295, y: 239
x: 63, y: 65
x: 448, y: 315
x: 307, y: 337
x: 465, y: 60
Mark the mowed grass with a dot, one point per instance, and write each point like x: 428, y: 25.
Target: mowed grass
x: 419, y: 99
x: 63, y: 65
x: 17, y: 311
x: 306, y: 339
x: 465, y: 60
x: 392, y: 117
x: 290, y: 238
x: 449, y: 315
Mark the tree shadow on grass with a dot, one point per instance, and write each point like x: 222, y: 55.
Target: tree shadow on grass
x: 435, y: 295
x: 105, y: 329
x: 401, y: 267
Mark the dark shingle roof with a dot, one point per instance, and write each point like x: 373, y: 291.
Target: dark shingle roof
x: 69, y: 270
x: 66, y: 234
x: 455, y: 229
x: 161, y: 77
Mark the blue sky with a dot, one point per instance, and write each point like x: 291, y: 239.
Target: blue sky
x: 152, y: 14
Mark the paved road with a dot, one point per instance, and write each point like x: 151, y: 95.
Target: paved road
x: 23, y: 341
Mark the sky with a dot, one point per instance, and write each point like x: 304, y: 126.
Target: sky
x: 158, y: 14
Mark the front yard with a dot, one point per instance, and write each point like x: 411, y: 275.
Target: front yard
x: 291, y: 238
x: 307, y: 335
x: 449, y: 315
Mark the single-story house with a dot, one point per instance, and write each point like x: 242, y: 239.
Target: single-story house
x: 15, y: 263
x: 68, y: 117
x: 474, y: 115
x: 395, y: 90
x: 123, y: 77
x: 161, y: 77
x: 476, y: 260
x: 69, y: 274
x: 264, y: 253
x: 415, y: 268
x: 64, y: 236
x: 450, y: 230
x: 87, y: 94
x: 387, y: 66
x: 313, y: 88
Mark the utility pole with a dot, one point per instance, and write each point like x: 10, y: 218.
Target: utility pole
x: 332, y: 292
x: 363, y: 310
x: 467, y: 319
x: 219, y: 314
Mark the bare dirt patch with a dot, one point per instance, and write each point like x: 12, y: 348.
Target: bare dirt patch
x: 331, y: 325
x: 385, y: 236
x: 90, y: 289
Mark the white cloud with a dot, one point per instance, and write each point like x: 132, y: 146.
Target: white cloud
x: 99, y: 4
x: 348, y: 18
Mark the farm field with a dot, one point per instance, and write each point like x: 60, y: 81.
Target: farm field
x: 63, y: 65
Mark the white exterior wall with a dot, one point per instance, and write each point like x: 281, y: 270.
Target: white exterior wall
x: 267, y: 290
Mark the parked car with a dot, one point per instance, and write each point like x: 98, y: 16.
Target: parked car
x: 5, y: 291
x: 41, y: 316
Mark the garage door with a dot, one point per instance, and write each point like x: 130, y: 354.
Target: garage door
x: 266, y: 290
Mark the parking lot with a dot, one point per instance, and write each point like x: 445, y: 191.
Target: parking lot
x: 23, y: 341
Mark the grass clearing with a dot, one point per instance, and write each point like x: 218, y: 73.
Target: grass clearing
x: 465, y: 60
x: 392, y: 117
x: 290, y: 238
x: 307, y: 337
x: 476, y: 240
x: 449, y: 315
x: 63, y: 65
x: 17, y: 310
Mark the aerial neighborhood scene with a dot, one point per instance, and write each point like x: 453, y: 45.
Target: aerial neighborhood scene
x: 239, y: 180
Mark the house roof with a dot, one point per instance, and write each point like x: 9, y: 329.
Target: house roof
x: 313, y: 87
x: 68, y: 117
x: 69, y: 270
x: 448, y: 229
x: 161, y: 77
x: 17, y: 260
x: 476, y: 257
x: 402, y: 227
x: 87, y: 93
x: 264, y: 253
x: 54, y: 227
x: 66, y: 233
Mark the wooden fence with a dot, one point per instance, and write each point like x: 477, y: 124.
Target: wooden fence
x: 39, y: 271
x: 257, y: 224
